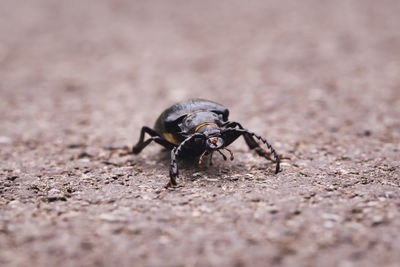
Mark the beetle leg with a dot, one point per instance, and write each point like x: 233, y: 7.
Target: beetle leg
x: 154, y: 137
x: 173, y: 170
x: 268, y: 155
x: 262, y: 139
x: 252, y: 144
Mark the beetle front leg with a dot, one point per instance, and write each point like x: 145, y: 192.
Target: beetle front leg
x: 273, y: 152
x: 252, y: 144
x: 235, y: 133
x: 173, y: 169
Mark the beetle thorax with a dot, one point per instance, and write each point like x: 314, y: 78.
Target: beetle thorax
x: 205, y: 122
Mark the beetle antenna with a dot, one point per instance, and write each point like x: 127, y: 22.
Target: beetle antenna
x: 173, y: 170
x: 262, y: 139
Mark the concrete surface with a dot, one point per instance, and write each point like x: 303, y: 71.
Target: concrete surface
x: 319, y: 79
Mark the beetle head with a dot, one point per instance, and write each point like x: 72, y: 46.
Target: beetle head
x: 210, y: 143
x: 212, y: 134
x: 214, y: 143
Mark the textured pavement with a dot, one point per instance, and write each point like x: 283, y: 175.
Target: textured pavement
x: 319, y: 79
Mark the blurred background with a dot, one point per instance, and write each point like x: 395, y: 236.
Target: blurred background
x: 320, y: 79
x: 115, y: 65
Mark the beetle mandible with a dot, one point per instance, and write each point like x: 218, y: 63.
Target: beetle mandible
x: 199, y: 127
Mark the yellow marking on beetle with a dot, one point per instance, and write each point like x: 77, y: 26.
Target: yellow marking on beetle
x: 170, y: 137
x: 203, y: 124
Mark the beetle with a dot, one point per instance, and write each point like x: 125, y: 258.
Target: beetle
x: 198, y: 127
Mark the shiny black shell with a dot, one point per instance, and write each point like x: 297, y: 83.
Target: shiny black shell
x: 167, y: 124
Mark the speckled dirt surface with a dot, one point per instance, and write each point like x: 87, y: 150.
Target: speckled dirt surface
x: 319, y: 79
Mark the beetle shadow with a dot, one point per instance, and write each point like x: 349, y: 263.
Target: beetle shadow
x: 157, y: 161
x: 189, y: 169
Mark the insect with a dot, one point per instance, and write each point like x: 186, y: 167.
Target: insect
x: 196, y: 128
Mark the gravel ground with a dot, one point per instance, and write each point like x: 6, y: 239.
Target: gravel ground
x: 319, y: 79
